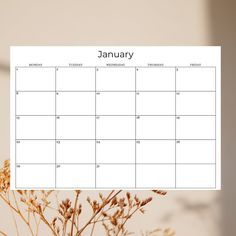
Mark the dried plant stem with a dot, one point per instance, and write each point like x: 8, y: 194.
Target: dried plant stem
x: 129, y: 216
x: 98, y: 219
x: 76, y: 227
x: 46, y: 222
x: 73, y: 217
x: 78, y: 221
x: 93, y: 227
x: 107, y: 201
x: 14, y: 196
x: 14, y: 220
x: 37, y: 225
x: 18, y: 212
x: 3, y: 233
x: 13, y: 216
x: 64, y: 228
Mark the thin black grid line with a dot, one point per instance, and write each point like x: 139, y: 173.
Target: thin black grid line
x: 135, y: 123
x: 114, y: 163
x: 15, y: 130
x: 175, y: 129
x: 115, y: 115
x: 95, y: 128
x: 55, y: 115
x: 215, y: 132
x: 117, y: 91
x: 138, y: 139
x: 117, y: 188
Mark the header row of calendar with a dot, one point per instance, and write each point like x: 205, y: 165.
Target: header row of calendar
x: 158, y: 66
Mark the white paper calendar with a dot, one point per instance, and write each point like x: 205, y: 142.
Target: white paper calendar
x: 115, y: 117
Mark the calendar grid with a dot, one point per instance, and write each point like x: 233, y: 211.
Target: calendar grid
x: 135, y: 139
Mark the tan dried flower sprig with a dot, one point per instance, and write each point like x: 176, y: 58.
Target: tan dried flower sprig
x: 112, y: 212
x: 5, y: 177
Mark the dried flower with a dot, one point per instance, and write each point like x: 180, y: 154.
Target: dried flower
x: 5, y: 176
x: 111, y: 211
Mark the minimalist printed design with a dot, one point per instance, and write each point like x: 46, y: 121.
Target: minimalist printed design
x: 115, y: 117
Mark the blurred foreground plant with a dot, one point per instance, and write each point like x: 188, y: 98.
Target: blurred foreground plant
x: 35, y: 208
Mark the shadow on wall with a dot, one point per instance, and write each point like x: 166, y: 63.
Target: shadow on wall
x: 223, y: 20
x: 4, y: 67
